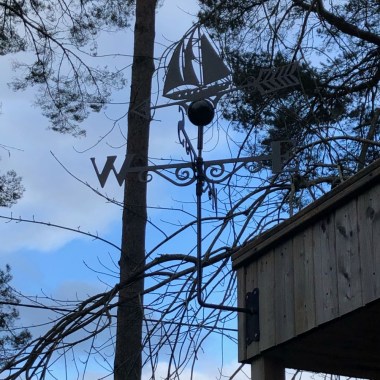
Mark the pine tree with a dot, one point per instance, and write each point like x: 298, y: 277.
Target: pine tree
x: 332, y: 116
x: 62, y: 39
x: 12, y: 338
x: 11, y: 189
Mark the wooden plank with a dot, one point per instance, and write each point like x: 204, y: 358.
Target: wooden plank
x: 325, y: 270
x: 304, y: 297
x: 266, y: 284
x: 284, y: 292
x: 242, y: 348
x: 369, y: 245
x: 267, y: 369
x: 250, y: 284
x: 348, y: 258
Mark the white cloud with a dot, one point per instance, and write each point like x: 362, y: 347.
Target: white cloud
x: 51, y: 194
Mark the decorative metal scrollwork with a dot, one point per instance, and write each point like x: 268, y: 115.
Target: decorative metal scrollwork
x: 254, y: 167
x: 215, y: 171
x: 184, y: 139
x: 144, y: 176
x: 181, y: 176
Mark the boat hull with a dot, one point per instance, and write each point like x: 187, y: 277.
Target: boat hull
x: 197, y: 93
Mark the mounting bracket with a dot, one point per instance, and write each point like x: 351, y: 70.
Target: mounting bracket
x: 252, y: 323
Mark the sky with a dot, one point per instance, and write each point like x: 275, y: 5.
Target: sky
x: 56, y: 262
x: 41, y: 157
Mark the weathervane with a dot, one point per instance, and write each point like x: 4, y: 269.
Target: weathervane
x: 196, y: 78
x: 206, y: 79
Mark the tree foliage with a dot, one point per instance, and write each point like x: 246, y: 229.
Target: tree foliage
x: 333, y: 115
x: 61, y: 39
x: 11, y: 188
x: 12, y: 339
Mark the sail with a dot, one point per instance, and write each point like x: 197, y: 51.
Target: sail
x: 189, y: 75
x: 173, y: 76
x: 213, y: 67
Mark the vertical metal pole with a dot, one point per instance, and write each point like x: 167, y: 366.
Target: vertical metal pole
x: 200, y: 175
x: 199, y: 248
x: 199, y: 192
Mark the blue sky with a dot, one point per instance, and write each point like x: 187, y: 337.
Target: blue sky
x: 56, y: 262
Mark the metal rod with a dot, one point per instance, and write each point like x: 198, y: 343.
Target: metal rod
x: 200, y: 178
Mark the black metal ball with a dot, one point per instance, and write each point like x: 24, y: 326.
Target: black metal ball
x: 201, y: 112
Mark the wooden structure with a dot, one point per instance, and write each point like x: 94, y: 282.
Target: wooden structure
x: 318, y: 276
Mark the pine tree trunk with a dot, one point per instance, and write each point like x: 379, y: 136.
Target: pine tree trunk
x: 128, y: 356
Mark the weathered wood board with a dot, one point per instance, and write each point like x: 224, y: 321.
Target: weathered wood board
x: 320, y: 268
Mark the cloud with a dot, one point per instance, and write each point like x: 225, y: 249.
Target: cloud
x: 52, y: 195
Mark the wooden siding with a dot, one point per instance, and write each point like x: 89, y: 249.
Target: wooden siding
x: 316, y: 268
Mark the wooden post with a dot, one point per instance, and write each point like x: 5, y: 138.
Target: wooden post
x: 267, y: 369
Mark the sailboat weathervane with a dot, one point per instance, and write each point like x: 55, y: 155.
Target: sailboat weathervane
x: 195, y: 70
x: 196, y: 78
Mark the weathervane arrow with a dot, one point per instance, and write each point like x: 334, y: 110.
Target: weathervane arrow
x: 270, y: 80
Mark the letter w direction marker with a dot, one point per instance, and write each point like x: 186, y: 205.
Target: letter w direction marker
x: 109, y: 167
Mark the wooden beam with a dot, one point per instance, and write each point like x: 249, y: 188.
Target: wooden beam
x: 264, y: 368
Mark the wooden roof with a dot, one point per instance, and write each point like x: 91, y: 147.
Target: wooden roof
x: 365, y: 179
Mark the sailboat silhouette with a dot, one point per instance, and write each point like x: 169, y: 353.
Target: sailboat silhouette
x: 195, y: 70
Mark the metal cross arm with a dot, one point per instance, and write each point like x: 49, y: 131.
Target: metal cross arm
x: 184, y: 174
